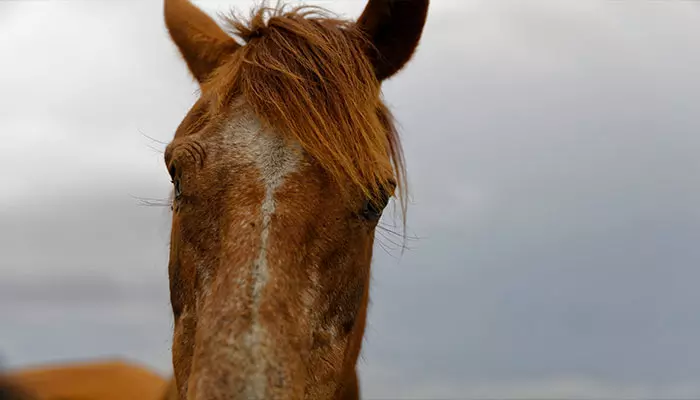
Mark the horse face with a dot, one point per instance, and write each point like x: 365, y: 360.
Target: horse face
x: 280, y: 173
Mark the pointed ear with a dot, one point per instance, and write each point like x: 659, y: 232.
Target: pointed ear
x: 202, y: 43
x: 394, y: 27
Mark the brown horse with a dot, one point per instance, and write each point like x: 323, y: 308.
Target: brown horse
x: 107, y: 380
x: 170, y: 392
x: 10, y: 390
x: 280, y: 172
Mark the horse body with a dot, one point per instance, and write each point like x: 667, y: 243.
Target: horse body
x: 108, y: 380
x: 10, y: 390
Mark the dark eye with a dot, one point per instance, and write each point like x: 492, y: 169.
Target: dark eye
x: 177, y: 191
x: 372, y: 208
x: 372, y: 211
x: 175, y: 180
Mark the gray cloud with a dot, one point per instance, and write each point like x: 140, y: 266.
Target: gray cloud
x: 552, y: 151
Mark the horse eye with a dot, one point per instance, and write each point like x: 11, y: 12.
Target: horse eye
x: 372, y: 208
x: 177, y: 190
x: 372, y: 211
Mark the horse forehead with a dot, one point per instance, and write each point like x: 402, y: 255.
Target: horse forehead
x: 244, y: 136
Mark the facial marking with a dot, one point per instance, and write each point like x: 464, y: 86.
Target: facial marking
x: 275, y: 159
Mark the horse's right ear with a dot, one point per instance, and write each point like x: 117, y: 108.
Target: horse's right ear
x: 394, y: 28
x: 202, y: 43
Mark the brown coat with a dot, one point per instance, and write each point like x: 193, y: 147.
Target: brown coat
x: 107, y: 380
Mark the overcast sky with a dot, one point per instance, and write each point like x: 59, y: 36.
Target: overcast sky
x: 553, y: 150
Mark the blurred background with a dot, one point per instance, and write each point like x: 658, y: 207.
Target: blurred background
x: 554, y: 226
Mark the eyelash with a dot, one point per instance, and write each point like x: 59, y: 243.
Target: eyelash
x: 177, y: 188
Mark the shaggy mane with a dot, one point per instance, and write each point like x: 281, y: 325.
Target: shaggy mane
x: 306, y: 75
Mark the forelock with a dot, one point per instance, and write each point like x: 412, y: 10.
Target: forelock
x: 306, y: 75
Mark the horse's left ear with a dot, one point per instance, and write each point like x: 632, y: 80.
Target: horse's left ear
x: 202, y: 43
x: 394, y: 27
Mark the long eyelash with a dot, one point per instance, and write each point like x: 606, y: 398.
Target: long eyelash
x: 388, y: 233
x: 383, y: 247
x: 154, y: 148
x: 154, y: 202
x: 392, y: 242
x: 391, y: 231
x: 152, y: 139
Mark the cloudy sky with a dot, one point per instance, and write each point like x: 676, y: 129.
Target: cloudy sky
x: 553, y: 150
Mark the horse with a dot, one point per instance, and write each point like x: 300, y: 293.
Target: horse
x: 11, y: 391
x: 280, y: 173
x: 103, y: 380
x: 170, y: 392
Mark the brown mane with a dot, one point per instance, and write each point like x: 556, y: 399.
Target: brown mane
x: 313, y: 82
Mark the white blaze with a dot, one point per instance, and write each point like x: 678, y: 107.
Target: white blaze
x: 275, y: 159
